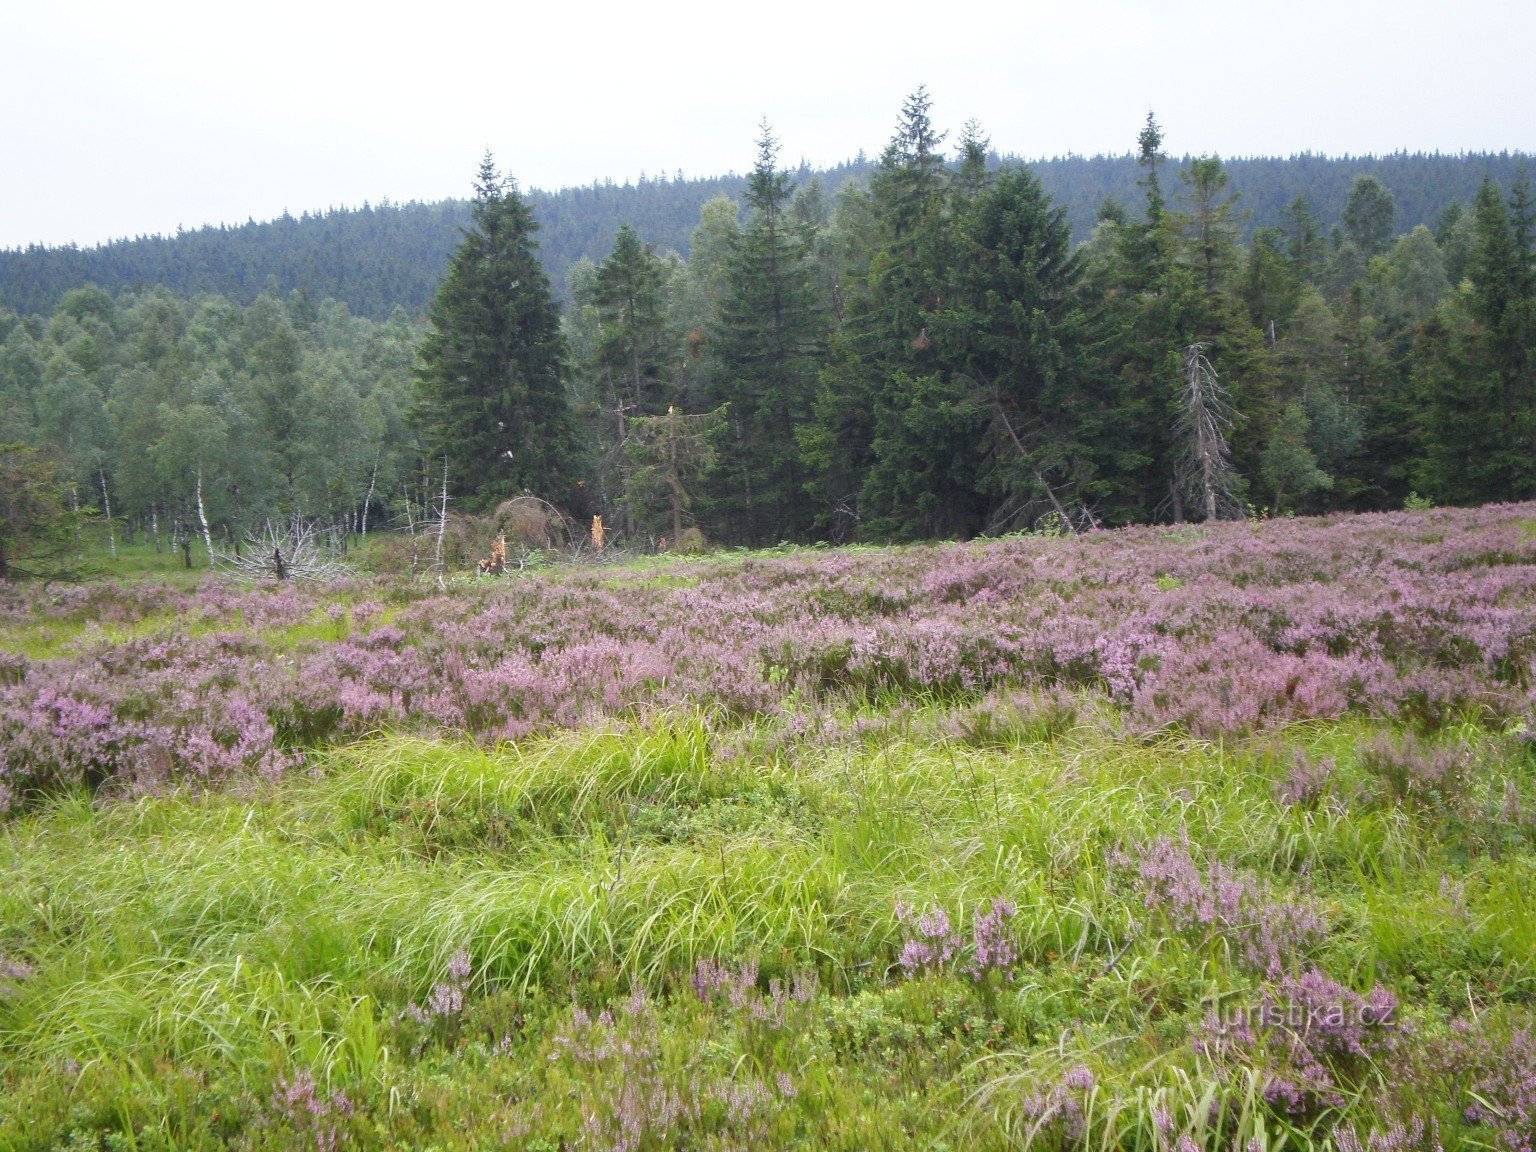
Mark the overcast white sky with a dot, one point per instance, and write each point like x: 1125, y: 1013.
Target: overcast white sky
x: 122, y: 118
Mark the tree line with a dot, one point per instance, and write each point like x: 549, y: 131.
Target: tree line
x: 925, y: 353
x: 929, y: 354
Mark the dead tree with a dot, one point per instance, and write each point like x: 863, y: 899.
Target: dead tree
x: 296, y: 549
x: 666, y: 453
x: 442, y: 526
x: 1206, y: 416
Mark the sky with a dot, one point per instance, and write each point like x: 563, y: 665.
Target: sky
x: 120, y: 119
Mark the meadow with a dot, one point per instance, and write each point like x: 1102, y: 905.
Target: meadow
x: 1161, y: 838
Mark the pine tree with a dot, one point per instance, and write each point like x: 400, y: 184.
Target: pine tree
x: 39, y: 530
x: 620, y: 317
x: 1289, y: 466
x: 490, y: 381
x: 1209, y: 224
x: 1304, y: 240
x: 667, y: 453
x: 1145, y: 245
x: 1152, y: 307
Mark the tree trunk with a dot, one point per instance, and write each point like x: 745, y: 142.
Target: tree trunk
x: 368, y: 499
x: 675, y: 479
x: 74, y: 507
x: 202, y: 516
x: 106, y: 507
x: 442, y: 526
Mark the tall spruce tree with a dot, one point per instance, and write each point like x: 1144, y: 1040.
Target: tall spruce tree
x: 1208, y: 233
x: 1151, y: 308
x: 767, y: 343
x: 490, y: 394
x: 624, y: 301
x: 1011, y: 335
x: 1304, y: 246
x: 920, y: 429
x: 1208, y: 222
x: 880, y: 348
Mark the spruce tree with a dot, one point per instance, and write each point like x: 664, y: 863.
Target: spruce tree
x: 1304, y: 246
x: 1013, y: 336
x: 632, y: 325
x: 1152, y: 308
x: 490, y: 395
x: 767, y: 342
x: 911, y: 429
x: 623, y: 307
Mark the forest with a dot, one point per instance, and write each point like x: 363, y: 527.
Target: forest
x: 927, y: 351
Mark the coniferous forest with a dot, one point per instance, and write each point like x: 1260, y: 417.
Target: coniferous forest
x: 929, y: 344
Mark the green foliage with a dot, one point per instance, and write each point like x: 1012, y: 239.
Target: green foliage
x: 491, y: 396
x: 1208, y: 221
x: 148, y: 403
x: 1289, y: 466
x: 39, y: 532
x: 1474, y: 364
x: 628, y: 296
x: 1369, y: 214
x: 766, y: 339
x: 666, y: 456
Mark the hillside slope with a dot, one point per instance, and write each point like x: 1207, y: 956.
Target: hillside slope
x: 377, y: 258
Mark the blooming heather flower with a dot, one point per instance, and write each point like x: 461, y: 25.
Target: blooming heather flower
x: 1215, y: 902
x: 1249, y: 630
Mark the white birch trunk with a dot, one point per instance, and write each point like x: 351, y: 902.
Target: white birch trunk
x: 442, y: 526
x: 106, y: 507
x: 368, y: 499
x: 202, y: 517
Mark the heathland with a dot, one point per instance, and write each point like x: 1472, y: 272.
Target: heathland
x: 1199, y: 836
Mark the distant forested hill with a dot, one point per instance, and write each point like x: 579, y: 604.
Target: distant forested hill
x: 377, y: 258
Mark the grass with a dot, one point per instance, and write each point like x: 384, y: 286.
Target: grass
x: 397, y: 947
x: 192, y: 953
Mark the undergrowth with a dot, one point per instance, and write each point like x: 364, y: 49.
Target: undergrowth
x: 682, y: 933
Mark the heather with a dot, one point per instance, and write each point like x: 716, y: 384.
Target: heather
x: 1213, y: 837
